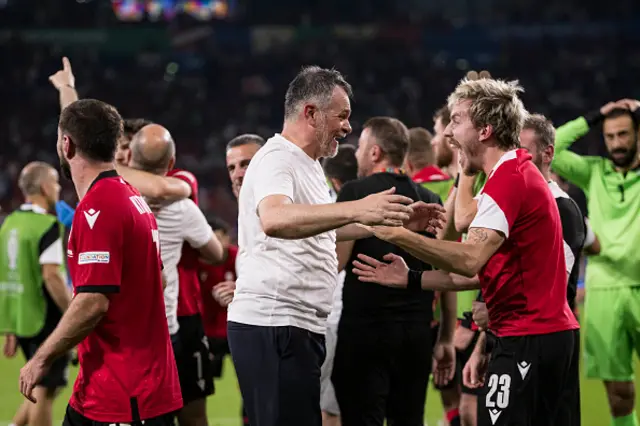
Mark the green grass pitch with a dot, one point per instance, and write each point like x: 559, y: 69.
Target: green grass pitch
x: 224, y: 406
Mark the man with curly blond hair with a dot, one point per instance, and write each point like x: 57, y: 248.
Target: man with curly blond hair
x: 515, y: 247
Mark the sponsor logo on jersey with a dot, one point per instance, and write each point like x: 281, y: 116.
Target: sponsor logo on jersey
x: 93, y: 257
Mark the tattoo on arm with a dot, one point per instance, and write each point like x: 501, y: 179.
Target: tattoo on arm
x: 477, y: 235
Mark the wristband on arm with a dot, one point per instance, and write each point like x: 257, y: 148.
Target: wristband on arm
x: 414, y: 281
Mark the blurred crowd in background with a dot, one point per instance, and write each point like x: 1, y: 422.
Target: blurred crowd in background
x: 210, y: 77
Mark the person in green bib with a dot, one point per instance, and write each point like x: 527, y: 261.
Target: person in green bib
x: 33, y: 291
x: 612, y: 305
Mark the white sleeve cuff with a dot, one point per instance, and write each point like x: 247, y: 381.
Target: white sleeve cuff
x: 490, y: 216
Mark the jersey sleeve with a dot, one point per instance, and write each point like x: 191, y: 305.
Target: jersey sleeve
x: 99, y: 239
x: 197, y: 231
x: 50, y: 246
x: 273, y: 176
x: 569, y: 165
x: 191, y: 180
x: 499, y: 203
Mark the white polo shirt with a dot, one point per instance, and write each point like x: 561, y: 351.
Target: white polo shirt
x: 283, y: 282
x: 178, y: 222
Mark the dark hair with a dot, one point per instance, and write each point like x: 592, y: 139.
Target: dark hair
x: 543, y: 128
x: 217, y: 224
x: 391, y: 135
x: 313, y: 83
x: 245, y: 139
x: 344, y: 166
x: 619, y: 112
x: 94, y: 127
x: 444, y: 115
x: 134, y: 125
x: 420, y: 152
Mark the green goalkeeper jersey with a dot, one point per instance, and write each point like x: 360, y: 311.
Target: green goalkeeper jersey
x: 614, y: 209
x: 29, y: 238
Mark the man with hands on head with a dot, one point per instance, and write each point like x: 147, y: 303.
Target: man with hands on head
x: 612, y: 188
x: 532, y: 365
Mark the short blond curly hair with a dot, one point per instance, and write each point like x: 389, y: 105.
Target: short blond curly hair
x: 495, y: 103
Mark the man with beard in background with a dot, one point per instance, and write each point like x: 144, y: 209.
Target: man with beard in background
x: 612, y: 187
x: 240, y: 150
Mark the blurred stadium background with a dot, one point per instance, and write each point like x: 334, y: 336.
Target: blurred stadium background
x: 209, y: 70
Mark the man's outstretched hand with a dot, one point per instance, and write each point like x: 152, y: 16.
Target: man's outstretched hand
x: 64, y: 77
x: 384, y: 208
x: 391, y: 274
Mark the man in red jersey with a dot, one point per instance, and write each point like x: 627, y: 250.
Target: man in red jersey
x: 176, y: 185
x: 240, y: 151
x: 215, y: 299
x: 531, y: 369
x: 127, y: 372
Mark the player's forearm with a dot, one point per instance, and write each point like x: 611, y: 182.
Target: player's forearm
x: 67, y: 95
x: 296, y: 221
x: 447, y: 255
x: 567, y: 164
x: 466, y: 207
x: 448, y: 316
x: 352, y: 232
x: 57, y: 289
x: 444, y: 281
x: 448, y: 231
x: 84, y: 313
x: 212, y: 252
x: 157, y: 187
x: 481, y: 345
x: 570, y: 132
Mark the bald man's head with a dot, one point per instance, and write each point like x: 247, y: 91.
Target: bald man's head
x: 39, y: 182
x: 153, y: 150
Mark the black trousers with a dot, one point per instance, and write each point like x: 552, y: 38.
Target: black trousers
x: 532, y: 381
x: 278, y: 370
x: 382, y: 371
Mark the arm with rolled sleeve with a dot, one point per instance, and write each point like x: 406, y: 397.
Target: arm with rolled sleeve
x: 199, y: 235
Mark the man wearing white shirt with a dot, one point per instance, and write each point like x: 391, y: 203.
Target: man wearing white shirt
x: 287, y: 264
x: 153, y: 150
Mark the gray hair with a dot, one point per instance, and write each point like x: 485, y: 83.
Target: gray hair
x: 313, y: 84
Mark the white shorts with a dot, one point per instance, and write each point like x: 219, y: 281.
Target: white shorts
x: 328, y: 402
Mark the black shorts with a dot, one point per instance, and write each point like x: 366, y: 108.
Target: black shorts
x: 532, y: 380
x: 462, y: 356
x: 219, y: 348
x: 58, y: 374
x: 73, y: 418
x: 193, y: 359
x: 278, y: 371
x: 382, y: 371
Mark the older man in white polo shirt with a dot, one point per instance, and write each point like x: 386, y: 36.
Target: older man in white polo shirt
x: 287, y: 265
